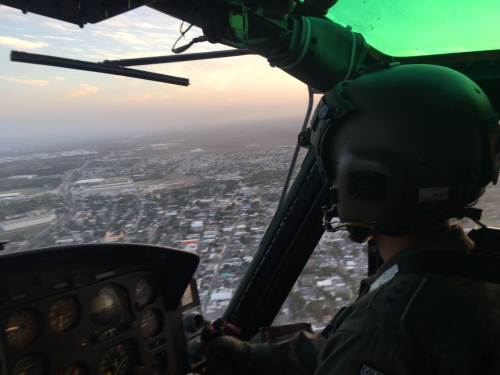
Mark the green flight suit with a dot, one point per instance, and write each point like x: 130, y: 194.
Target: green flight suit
x: 400, y: 324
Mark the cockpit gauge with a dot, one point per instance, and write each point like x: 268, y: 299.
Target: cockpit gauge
x: 151, y: 323
x: 22, y: 328
x: 63, y: 314
x: 159, y: 364
x: 31, y: 365
x: 106, y: 306
x: 145, y: 291
x: 115, y: 361
x: 73, y: 370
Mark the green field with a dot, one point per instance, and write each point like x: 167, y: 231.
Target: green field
x: 23, y: 234
x: 50, y: 182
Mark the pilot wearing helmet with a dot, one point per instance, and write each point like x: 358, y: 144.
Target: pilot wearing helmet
x: 405, y: 149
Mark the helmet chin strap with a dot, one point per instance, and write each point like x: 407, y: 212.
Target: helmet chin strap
x: 358, y: 231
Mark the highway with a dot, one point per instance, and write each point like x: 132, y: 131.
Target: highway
x: 69, y: 203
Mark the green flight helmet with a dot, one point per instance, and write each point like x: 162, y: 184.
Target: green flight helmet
x: 402, y: 143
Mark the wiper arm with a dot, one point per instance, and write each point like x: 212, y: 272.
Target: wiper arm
x: 32, y: 58
x: 179, y: 58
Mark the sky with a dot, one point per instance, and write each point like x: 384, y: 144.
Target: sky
x: 39, y: 102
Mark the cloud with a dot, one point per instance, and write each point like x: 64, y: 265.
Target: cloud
x: 83, y: 90
x: 136, y: 98
x: 33, y: 82
x: 19, y: 43
x: 29, y: 36
x: 57, y: 37
x: 145, y: 25
x: 14, y: 17
x: 159, y: 41
x: 55, y: 25
x: 218, y: 81
x: 59, y: 78
x: 74, y: 49
x: 132, y: 22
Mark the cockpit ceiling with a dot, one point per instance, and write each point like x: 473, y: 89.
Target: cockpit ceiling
x: 422, y: 27
x: 396, y: 28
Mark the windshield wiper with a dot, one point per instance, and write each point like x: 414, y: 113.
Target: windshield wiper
x: 32, y: 58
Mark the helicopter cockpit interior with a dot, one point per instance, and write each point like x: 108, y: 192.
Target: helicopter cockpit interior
x: 116, y: 309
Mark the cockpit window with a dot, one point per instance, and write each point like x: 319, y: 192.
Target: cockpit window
x: 422, y: 27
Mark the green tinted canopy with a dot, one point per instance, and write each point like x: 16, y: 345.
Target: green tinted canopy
x: 422, y: 27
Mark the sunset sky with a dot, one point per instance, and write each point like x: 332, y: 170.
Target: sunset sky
x: 40, y: 101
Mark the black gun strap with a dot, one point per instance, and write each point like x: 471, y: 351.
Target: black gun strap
x: 449, y: 263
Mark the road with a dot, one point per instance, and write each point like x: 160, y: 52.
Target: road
x: 69, y: 203
x: 219, y: 261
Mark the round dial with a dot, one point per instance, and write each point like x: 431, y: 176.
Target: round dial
x: 63, y: 314
x: 115, y: 362
x: 106, y: 306
x: 73, y: 370
x: 145, y: 291
x: 31, y: 365
x: 151, y: 323
x: 22, y: 328
x: 159, y: 364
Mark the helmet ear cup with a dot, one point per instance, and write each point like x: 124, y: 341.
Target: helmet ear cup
x: 367, y: 185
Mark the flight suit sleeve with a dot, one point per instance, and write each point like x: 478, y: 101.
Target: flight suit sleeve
x: 382, y: 350
x: 296, y: 356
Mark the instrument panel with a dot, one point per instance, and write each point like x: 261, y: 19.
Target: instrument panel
x: 115, y: 322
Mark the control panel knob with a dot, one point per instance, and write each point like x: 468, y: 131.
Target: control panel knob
x: 193, y: 322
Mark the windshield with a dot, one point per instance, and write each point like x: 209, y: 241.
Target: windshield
x: 89, y: 158
x: 422, y: 27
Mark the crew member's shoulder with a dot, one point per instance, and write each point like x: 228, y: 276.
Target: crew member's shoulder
x: 396, y: 296
x: 423, y: 306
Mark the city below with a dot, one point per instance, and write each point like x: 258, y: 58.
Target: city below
x: 213, y: 193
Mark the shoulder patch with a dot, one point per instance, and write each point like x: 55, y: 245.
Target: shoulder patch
x: 392, y: 298
x: 368, y: 370
x: 385, y: 277
x: 357, y: 367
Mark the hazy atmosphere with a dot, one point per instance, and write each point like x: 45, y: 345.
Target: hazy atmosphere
x: 39, y: 104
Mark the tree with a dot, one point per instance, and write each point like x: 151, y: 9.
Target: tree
x: 244, y: 240
x: 315, y: 308
x: 296, y: 303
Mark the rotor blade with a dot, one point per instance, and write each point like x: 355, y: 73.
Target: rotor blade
x: 179, y: 58
x: 32, y: 58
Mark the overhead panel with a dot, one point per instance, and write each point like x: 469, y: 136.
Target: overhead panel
x: 422, y: 27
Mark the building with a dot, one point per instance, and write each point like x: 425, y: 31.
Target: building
x: 98, y: 189
x: 77, y: 153
x: 113, y: 237
x: 89, y: 181
x: 9, y: 195
x: 24, y: 177
x: 191, y: 247
x: 160, y: 146
x: 187, y: 242
x: 27, y: 222
x: 197, y: 225
x: 221, y: 296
